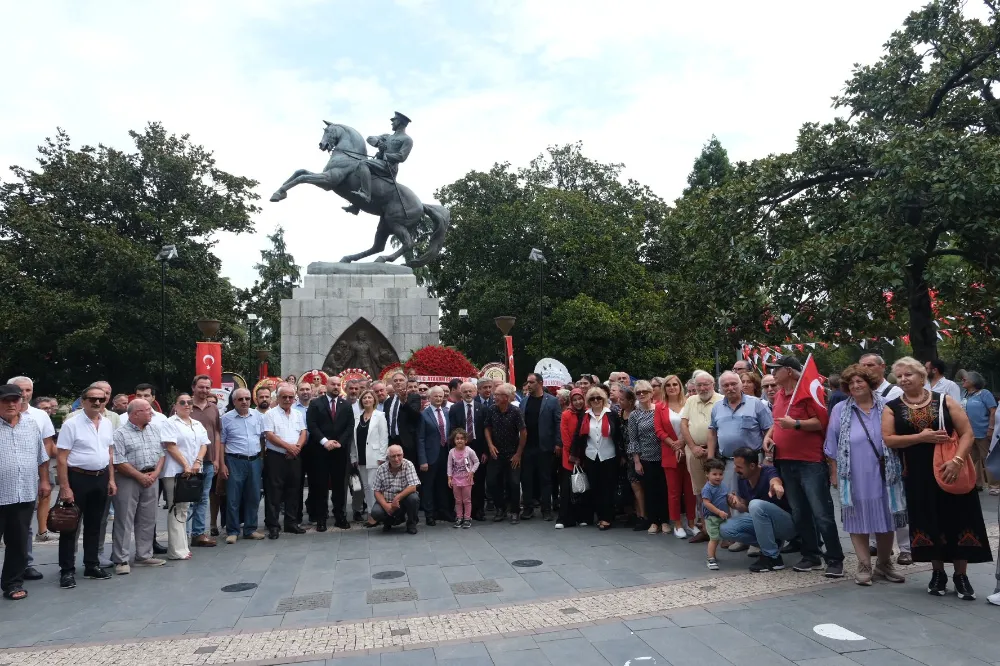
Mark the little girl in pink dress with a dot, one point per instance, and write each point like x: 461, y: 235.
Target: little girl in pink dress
x: 462, y: 465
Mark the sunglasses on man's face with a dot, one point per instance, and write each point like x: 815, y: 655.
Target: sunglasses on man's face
x: 97, y: 399
x: 243, y: 399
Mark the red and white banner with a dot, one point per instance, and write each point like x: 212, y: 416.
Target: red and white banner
x: 208, y: 361
x: 810, y: 387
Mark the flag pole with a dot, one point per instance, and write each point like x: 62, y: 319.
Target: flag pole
x: 796, y: 389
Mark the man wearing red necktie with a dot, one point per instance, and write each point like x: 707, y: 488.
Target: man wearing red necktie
x: 330, y: 422
x: 432, y: 455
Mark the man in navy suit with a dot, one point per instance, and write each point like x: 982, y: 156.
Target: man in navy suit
x: 432, y: 455
x: 459, y: 417
x: 542, y: 418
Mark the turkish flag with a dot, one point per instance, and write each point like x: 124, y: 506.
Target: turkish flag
x: 810, y: 387
x: 510, y: 356
x: 208, y: 361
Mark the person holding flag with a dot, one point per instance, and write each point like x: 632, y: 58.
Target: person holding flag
x: 796, y: 442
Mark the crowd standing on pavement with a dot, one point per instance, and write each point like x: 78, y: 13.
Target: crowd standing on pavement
x: 732, y: 462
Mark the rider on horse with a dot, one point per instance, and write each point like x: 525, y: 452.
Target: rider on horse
x: 392, y: 150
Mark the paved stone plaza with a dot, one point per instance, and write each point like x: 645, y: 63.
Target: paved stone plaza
x: 466, y: 597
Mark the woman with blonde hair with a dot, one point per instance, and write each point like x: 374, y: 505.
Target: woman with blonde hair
x: 944, y: 527
x: 644, y: 448
x: 675, y: 469
x: 600, y: 461
x: 370, y: 446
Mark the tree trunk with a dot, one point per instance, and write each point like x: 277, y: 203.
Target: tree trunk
x: 923, y: 332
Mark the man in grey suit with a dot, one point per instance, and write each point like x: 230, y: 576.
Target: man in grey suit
x: 542, y: 417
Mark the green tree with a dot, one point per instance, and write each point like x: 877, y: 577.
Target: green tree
x: 78, y: 241
x: 873, y: 210
x: 593, y: 230
x: 711, y: 169
x: 279, y: 274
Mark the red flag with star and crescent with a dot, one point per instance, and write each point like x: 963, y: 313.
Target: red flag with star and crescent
x: 810, y: 387
x: 208, y: 361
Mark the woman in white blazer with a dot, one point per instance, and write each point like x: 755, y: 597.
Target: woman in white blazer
x: 371, y: 439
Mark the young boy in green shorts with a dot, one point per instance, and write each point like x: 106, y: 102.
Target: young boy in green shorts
x: 714, y: 506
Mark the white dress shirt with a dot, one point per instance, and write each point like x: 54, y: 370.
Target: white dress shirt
x: 189, y: 439
x: 949, y: 388
x: 893, y: 392
x: 286, y: 426
x: 89, y: 446
x: 599, y: 447
x: 42, y: 419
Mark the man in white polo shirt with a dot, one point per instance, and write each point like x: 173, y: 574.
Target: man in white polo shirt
x: 86, y: 478
x: 44, y: 423
x: 285, y: 432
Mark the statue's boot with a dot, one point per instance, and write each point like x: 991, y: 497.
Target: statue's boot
x: 354, y: 209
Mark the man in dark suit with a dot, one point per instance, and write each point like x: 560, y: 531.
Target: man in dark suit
x: 459, y: 417
x: 330, y: 421
x: 402, y: 413
x: 542, y: 418
x: 432, y: 452
x: 485, y: 390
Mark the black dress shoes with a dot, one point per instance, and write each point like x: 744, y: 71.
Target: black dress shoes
x: 431, y: 522
x: 294, y: 529
x: 273, y: 533
x: 31, y: 573
x: 159, y: 549
x: 321, y: 526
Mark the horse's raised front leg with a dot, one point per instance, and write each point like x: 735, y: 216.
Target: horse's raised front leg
x: 301, y: 177
x: 381, y: 236
x: 405, y: 243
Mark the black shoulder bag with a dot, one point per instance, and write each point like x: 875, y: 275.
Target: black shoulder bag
x: 878, y: 454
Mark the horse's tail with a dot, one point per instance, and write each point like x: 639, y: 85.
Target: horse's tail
x: 441, y: 219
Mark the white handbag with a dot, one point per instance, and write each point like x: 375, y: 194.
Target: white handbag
x: 578, y: 481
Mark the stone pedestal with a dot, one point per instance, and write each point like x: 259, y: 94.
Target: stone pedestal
x: 336, y: 297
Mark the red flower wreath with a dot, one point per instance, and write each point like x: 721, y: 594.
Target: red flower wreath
x: 440, y: 361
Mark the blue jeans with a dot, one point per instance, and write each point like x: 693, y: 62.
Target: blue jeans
x: 242, y: 491
x: 807, y: 487
x: 198, y: 511
x: 765, y: 525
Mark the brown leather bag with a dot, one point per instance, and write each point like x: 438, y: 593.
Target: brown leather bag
x: 64, y: 517
x: 944, y: 453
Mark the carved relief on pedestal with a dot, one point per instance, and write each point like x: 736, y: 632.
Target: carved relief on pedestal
x: 360, y: 346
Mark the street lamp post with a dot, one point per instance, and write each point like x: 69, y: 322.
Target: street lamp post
x: 506, y: 323
x: 251, y: 319
x: 539, y: 258
x: 167, y: 252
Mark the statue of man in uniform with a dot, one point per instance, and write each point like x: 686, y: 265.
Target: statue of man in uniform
x: 392, y: 150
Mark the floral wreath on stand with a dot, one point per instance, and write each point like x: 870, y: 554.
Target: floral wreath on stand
x: 353, y: 373
x: 389, y: 370
x: 315, y: 378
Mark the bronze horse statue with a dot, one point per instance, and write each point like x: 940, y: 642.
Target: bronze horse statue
x: 400, y: 212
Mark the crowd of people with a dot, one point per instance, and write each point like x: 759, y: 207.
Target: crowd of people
x: 730, y: 462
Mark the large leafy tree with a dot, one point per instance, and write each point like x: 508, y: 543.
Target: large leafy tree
x: 875, y: 210
x: 78, y: 240
x: 593, y: 230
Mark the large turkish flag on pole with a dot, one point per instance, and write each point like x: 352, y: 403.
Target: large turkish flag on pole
x: 208, y: 361
x: 810, y: 387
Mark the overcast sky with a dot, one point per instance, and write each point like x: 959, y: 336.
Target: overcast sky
x: 641, y: 83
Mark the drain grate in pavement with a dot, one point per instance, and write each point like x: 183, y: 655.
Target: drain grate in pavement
x: 569, y: 611
x: 527, y: 563
x: 388, y: 575
x: 208, y: 649
x: 400, y: 632
x: 303, y: 602
x: 476, y: 587
x: 239, y: 587
x: 391, y: 595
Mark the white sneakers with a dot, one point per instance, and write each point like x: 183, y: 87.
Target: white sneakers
x: 122, y: 569
x: 560, y: 526
x: 994, y: 598
x: 680, y: 533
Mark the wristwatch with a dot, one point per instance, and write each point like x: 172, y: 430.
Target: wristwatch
x: 798, y: 424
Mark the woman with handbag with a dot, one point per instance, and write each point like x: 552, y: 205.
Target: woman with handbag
x: 371, y: 443
x: 572, y: 506
x: 934, y: 437
x: 600, y: 459
x: 186, y: 442
x: 867, y: 473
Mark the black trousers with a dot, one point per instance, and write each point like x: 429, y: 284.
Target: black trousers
x: 479, y: 485
x: 654, y: 487
x: 573, y: 509
x: 90, y: 493
x: 15, y: 522
x: 536, y: 478
x: 408, y: 511
x: 505, y: 484
x: 339, y: 460
x: 316, y: 464
x: 282, y: 482
x: 603, y: 478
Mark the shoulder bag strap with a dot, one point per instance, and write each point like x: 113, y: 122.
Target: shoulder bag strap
x: 888, y: 389
x: 878, y: 454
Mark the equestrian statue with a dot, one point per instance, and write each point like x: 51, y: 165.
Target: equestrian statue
x: 369, y: 185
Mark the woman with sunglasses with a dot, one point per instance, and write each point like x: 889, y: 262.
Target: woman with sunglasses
x: 633, y: 479
x: 644, y: 448
x: 604, y: 442
x: 675, y: 469
x: 188, y: 442
x: 657, y: 384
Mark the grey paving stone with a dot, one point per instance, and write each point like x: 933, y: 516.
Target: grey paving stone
x: 623, y: 577
x: 510, y: 644
x: 721, y: 634
x: 839, y: 660
x: 692, y: 617
x: 397, y: 608
x: 165, y: 629
x: 521, y: 658
x: 461, y: 651
x: 752, y: 655
x: 942, y: 655
x: 124, y: 626
x: 261, y: 622
x: 606, y: 632
x: 880, y: 658
x: 477, y: 600
x: 359, y: 660
x: 547, y: 583
x: 576, y: 651
x: 625, y: 650
x: 458, y: 574
x: 680, y: 648
x: 657, y: 622
x: 409, y: 658
x: 436, y: 604
x: 557, y: 635
x: 299, y: 618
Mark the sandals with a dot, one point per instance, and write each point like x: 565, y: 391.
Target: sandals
x: 604, y: 526
x: 15, y: 594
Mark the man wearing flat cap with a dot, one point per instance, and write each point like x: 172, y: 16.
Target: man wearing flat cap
x: 392, y: 150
